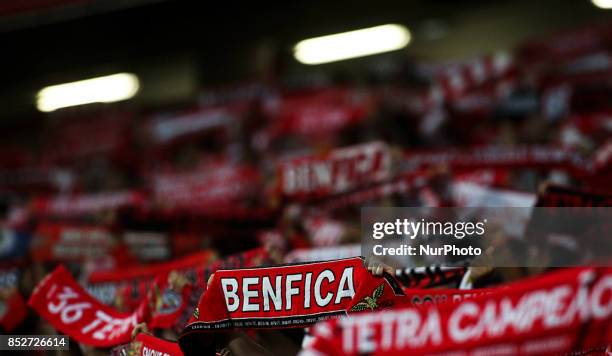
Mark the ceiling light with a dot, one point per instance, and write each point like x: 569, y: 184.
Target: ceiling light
x: 105, y: 89
x: 602, y: 4
x: 352, y: 44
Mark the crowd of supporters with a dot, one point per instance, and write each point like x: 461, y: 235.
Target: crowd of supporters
x: 121, y: 228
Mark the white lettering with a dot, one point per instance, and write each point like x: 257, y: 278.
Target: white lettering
x: 248, y: 294
x: 230, y: 293
x: 327, y: 274
x: 346, y: 288
x: 290, y: 291
x: 268, y: 294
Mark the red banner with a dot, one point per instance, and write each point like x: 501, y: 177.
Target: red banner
x: 210, y: 188
x: 402, y: 184
x: 565, y: 45
x: 336, y: 172
x: 565, y: 311
x: 456, y: 79
x: 286, y: 296
x: 72, y: 242
x: 94, y: 135
x: 85, y: 204
x: 61, y: 301
x: 319, y: 112
x: 497, y: 156
x: 169, y: 127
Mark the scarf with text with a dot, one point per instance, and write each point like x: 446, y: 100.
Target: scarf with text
x: 68, y: 242
x: 61, y: 301
x: 286, y: 296
x: 337, y: 171
x: 559, y: 312
x: 540, y: 157
x: 318, y: 113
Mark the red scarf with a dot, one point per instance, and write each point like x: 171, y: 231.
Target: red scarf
x: 61, y: 301
x: 212, y: 187
x: 167, y: 128
x: 498, y: 156
x: 319, y: 113
x: 457, y: 79
x: 286, y: 296
x: 564, y: 45
x: 559, y: 312
x: 148, y: 345
x: 337, y: 171
x: 131, y: 285
x: 57, y: 241
x: 401, y: 184
x: 85, y: 204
